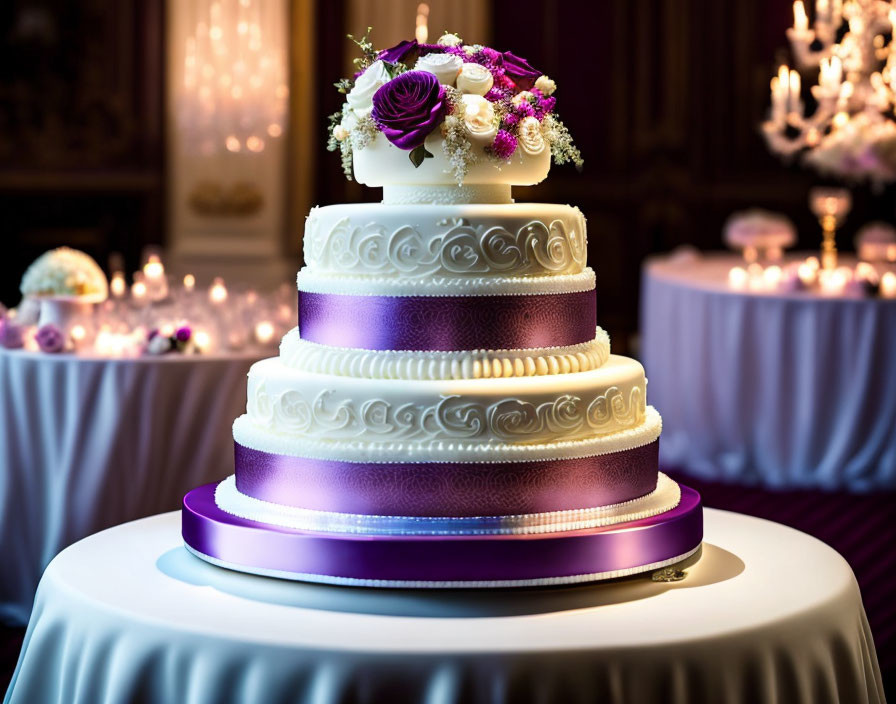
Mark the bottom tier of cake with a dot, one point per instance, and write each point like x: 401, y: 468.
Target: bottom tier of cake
x: 440, y: 561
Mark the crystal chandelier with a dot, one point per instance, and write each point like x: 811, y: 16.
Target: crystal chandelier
x: 234, y: 93
x: 851, y: 132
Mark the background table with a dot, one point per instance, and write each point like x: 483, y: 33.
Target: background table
x: 768, y: 614
x: 86, y: 443
x: 780, y: 390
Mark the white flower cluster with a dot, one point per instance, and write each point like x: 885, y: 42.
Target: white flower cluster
x: 65, y: 272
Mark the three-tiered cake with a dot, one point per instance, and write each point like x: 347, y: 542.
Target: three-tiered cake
x: 447, y: 412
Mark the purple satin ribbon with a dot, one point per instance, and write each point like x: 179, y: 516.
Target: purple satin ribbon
x: 445, y: 323
x: 449, y: 488
x: 250, y: 545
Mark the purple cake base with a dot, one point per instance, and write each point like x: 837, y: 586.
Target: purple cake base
x: 441, y: 561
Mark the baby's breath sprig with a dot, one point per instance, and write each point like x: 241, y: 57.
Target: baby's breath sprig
x: 562, y: 148
x: 368, y: 53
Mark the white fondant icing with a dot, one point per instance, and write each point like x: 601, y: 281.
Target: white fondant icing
x: 380, y: 163
x: 463, y: 194
x: 478, y: 364
x: 417, y: 242
x: 312, y: 282
x: 664, y: 498
x: 369, y: 449
x: 522, y: 410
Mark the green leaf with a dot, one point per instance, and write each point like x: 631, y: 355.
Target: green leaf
x: 418, y: 154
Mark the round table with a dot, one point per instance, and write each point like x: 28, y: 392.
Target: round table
x: 784, y: 390
x: 89, y: 442
x: 767, y: 614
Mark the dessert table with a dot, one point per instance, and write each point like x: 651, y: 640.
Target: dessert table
x: 784, y: 390
x: 767, y: 614
x: 90, y: 442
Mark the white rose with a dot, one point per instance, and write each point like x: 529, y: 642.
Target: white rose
x: 445, y: 67
x: 522, y: 97
x: 159, y: 344
x: 475, y: 78
x: 545, y: 85
x: 479, y: 120
x: 449, y: 39
x: 360, y: 98
x: 529, y: 135
x: 340, y: 133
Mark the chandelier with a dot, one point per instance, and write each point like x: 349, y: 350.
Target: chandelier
x: 234, y: 92
x: 851, y: 132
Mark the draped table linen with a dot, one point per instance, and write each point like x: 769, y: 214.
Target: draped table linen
x: 784, y: 390
x: 768, y: 614
x: 87, y: 443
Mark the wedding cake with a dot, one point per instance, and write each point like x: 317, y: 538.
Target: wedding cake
x: 447, y: 412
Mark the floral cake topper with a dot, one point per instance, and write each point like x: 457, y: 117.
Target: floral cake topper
x: 486, y: 104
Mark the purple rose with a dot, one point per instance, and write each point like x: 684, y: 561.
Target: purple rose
x: 397, y: 53
x: 50, y: 338
x: 10, y: 334
x: 183, y: 334
x: 409, y: 107
x: 519, y: 70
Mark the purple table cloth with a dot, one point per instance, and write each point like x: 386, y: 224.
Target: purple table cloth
x: 87, y: 443
x: 779, y: 390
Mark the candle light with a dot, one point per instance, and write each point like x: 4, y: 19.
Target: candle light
x: 217, y: 293
x: 737, y: 278
x: 888, y: 285
x: 189, y: 283
x: 117, y: 285
x: 807, y: 273
x: 154, y: 276
x: 138, y: 292
x: 202, y: 340
x: 264, y: 332
x: 800, y: 19
x: 772, y: 276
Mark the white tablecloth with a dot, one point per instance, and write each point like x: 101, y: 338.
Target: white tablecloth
x: 768, y: 614
x: 89, y: 443
x: 786, y: 391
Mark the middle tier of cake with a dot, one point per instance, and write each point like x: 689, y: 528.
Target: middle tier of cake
x: 301, y: 410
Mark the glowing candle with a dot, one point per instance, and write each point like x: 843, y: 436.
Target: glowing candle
x: 807, y: 273
x: 772, y: 276
x: 217, y: 293
x: 202, y: 340
x: 737, y: 278
x: 117, y: 285
x: 138, y: 292
x: 800, y: 19
x: 264, y: 332
x: 154, y: 276
x: 888, y: 285
x: 189, y: 283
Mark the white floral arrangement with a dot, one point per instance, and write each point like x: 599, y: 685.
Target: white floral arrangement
x: 65, y: 272
x: 476, y: 96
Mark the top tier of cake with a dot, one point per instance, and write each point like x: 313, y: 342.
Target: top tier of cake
x: 448, y: 123
x: 381, y: 164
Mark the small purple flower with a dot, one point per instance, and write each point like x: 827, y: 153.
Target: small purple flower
x: 10, y: 334
x: 409, y: 107
x: 510, y: 119
x: 518, y: 69
x: 397, y: 53
x: 524, y: 110
x: 152, y: 333
x: 50, y: 338
x: 544, y: 106
x: 504, y: 145
x: 183, y: 334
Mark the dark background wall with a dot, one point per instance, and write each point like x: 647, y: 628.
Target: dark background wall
x: 663, y: 98
x: 81, y: 144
